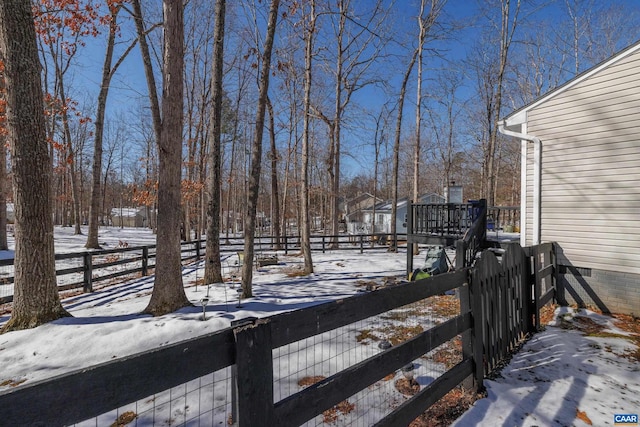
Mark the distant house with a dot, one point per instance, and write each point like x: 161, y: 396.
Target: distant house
x: 581, y: 180
x: 129, y: 217
x: 353, y: 208
x: 383, y: 212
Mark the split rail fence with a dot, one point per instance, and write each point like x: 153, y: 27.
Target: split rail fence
x: 235, y: 376
x: 81, y: 270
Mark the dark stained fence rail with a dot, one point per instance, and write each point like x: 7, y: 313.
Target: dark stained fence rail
x: 87, y: 393
x: 342, y: 242
x: 294, y: 326
x: 100, y: 266
x: 501, y: 311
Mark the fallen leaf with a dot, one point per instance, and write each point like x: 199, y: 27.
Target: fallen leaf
x: 581, y: 415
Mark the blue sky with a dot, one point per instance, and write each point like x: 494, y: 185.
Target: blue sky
x: 128, y: 89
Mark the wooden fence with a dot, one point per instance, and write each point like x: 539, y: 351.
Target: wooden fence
x: 92, y: 267
x: 503, y: 306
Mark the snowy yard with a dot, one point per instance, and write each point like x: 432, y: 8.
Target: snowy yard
x: 580, y: 371
x: 560, y: 377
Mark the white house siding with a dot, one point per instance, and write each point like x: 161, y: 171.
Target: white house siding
x: 591, y: 169
x: 527, y: 216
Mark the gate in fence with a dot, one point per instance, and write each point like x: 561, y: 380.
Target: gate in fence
x: 312, y: 365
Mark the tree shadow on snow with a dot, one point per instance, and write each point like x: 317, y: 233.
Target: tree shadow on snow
x: 536, y: 370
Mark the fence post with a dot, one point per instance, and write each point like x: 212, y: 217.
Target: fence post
x: 460, y: 254
x: 88, y: 272
x: 198, y: 250
x: 254, y: 374
x: 145, y: 260
x: 557, y: 281
x: 323, y: 244
x: 410, y: 232
x: 464, y: 297
x: 475, y: 304
x: 530, y: 285
x: 361, y: 244
x: 484, y: 209
x: 286, y: 244
x: 537, y: 283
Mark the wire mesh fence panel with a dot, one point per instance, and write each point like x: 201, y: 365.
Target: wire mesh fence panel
x: 64, y: 274
x: 204, y: 401
x: 306, y: 362
x: 6, y: 278
x: 110, y: 265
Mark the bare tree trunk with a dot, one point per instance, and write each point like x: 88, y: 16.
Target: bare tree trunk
x: 304, y: 199
x: 425, y: 24
x: 202, y: 176
x: 96, y: 171
x: 275, y: 195
x: 154, y: 104
x: 377, y: 140
x: 70, y: 161
x: 36, y: 299
x: 292, y: 147
x: 168, y: 291
x: 3, y: 163
x: 336, y: 127
x: 213, y: 269
x: 231, y: 179
x: 256, y: 154
x: 416, y: 154
x: 507, y: 30
x: 3, y: 187
x: 148, y: 69
x: 396, y: 153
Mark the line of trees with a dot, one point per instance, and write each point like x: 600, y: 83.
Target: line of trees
x: 329, y: 84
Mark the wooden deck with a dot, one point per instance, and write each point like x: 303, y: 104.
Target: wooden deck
x: 470, y: 227
x: 444, y: 224
x: 439, y: 223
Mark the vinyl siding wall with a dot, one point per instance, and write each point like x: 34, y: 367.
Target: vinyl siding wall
x: 591, y: 169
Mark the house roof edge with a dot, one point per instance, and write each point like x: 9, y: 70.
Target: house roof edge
x: 519, y: 116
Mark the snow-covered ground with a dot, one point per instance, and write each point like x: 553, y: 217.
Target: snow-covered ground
x: 560, y: 377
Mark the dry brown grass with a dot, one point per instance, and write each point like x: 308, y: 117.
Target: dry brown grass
x: 445, y: 306
x: 389, y: 377
x: 294, y: 272
x: 11, y: 383
x: 124, y: 419
x: 307, y: 381
x: 448, y: 354
x: 547, y: 313
x: 446, y: 410
x: 629, y: 324
x: 331, y: 415
x: 406, y: 386
x: 365, y: 336
x: 398, y: 334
